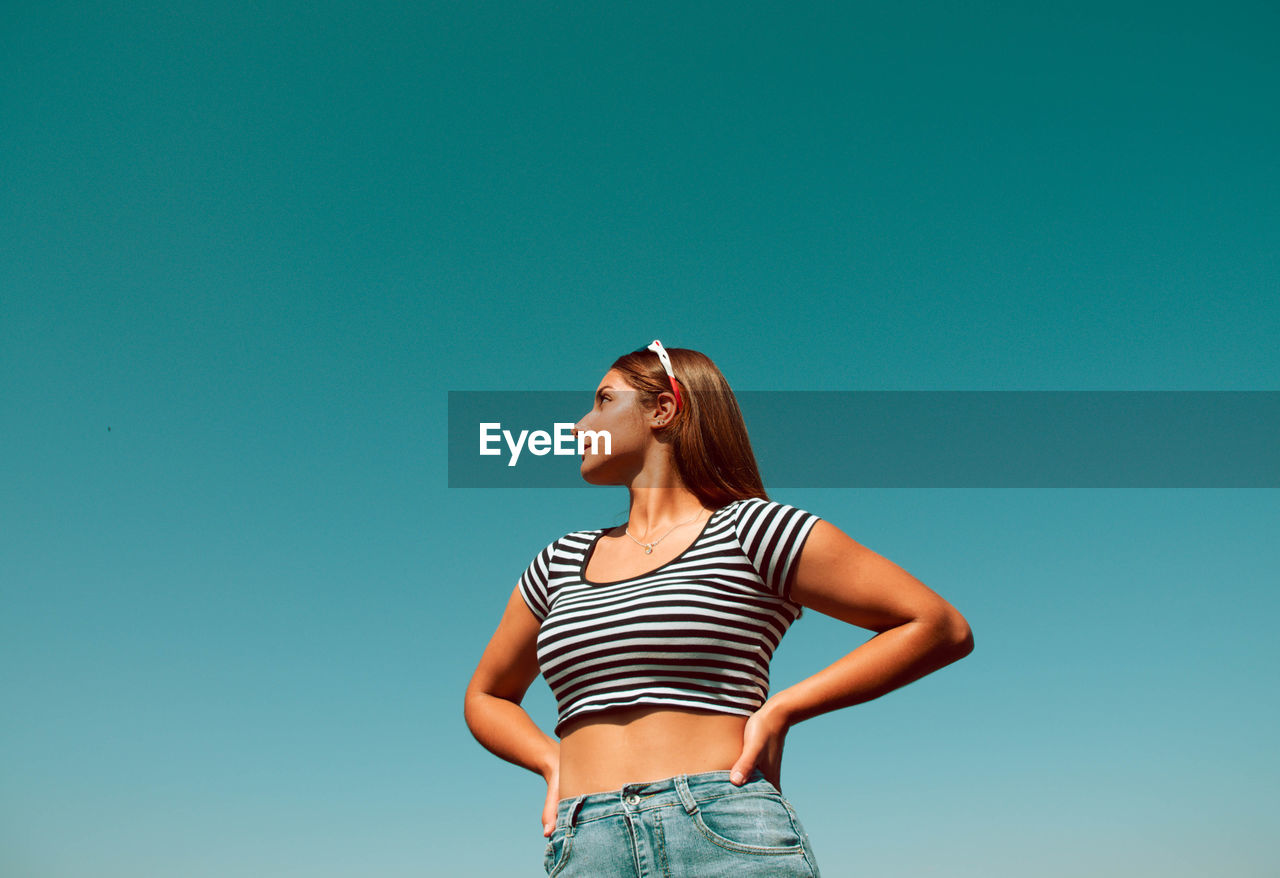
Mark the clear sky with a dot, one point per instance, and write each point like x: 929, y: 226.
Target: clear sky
x: 248, y: 248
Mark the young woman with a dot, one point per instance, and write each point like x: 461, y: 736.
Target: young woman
x: 655, y: 638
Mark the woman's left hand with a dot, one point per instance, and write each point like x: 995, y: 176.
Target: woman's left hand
x: 762, y: 740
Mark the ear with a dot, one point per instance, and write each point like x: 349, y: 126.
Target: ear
x: 662, y: 411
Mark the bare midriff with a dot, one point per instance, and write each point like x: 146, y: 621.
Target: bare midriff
x: 611, y: 749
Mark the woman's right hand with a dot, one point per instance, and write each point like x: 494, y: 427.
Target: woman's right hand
x: 553, y: 799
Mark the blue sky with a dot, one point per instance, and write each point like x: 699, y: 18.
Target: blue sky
x: 249, y: 250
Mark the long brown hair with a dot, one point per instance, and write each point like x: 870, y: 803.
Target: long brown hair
x: 708, y: 436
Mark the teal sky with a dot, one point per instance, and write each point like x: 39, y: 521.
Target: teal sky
x: 249, y: 249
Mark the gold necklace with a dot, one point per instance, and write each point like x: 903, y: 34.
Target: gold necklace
x: 648, y: 547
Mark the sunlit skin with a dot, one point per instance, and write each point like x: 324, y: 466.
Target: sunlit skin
x: 917, y: 633
x: 637, y: 458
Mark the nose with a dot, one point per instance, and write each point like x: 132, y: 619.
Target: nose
x: 579, y: 429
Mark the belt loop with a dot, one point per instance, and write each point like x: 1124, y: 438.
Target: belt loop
x: 571, y: 817
x: 686, y: 797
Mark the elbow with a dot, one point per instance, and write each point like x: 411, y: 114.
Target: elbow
x: 467, y: 711
x: 472, y: 707
x: 959, y: 637
x: 953, y: 636
x: 478, y: 705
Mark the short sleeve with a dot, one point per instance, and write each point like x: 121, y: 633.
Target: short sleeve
x: 533, y: 582
x: 772, y: 535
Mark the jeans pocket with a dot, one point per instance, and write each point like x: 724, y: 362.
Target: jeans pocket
x: 750, y: 822
x: 557, y: 852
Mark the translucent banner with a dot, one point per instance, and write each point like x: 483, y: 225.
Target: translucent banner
x: 913, y: 439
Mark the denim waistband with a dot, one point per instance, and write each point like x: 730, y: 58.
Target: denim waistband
x: 686, y: 789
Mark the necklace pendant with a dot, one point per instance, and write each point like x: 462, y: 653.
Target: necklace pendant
x: 648, y: 550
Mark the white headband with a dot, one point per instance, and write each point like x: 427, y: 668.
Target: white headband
x: 658, y: 349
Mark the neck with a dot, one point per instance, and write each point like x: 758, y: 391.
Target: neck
x: 653, y: 510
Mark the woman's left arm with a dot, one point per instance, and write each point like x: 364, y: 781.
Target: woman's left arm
x: 917, y: 633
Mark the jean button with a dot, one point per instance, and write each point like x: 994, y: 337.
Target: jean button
x: 633, y: 800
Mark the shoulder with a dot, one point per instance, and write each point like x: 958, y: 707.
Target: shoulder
x: 574, y: 541
x: 579, y: 540
x: 559, y: 559
x: 754, y: 513
x: 772, y: 536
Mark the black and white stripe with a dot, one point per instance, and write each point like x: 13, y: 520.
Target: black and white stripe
x: 699, y: 631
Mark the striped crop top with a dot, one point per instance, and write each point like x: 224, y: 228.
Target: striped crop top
x: 698, y: 631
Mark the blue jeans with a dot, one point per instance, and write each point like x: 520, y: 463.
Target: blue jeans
x: 690, y: 825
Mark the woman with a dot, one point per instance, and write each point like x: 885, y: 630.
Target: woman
x: 655, y: 637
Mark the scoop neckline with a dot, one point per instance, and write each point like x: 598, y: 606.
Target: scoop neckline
x: 591, y: 550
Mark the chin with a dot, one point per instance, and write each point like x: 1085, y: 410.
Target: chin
x: 594, y: 475
x: 591, y: 478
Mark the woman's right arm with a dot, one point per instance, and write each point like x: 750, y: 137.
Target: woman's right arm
x: 492, y: 707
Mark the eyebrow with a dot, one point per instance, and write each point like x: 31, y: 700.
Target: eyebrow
x: 602, y: 390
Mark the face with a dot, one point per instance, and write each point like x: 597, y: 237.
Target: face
x: 616, y: 409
